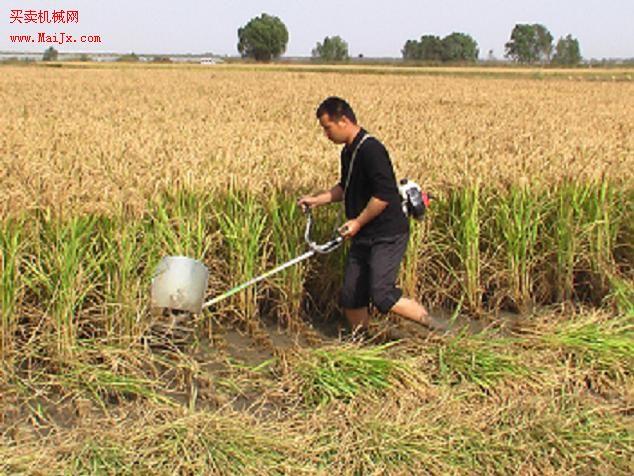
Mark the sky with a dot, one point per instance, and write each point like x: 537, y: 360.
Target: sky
x: 371, y: 27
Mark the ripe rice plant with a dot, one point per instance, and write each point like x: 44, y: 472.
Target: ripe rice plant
x: 62, y: 272
x: 378, y: 445
x: 242, y: 222
x: 181, y: 223
x: 542, y: 245
x: 287, y: 242
x: 622, y: 295
x: 12, y: 244
x: 326, y: 272
x: 463, y: 215
x: 567, y: 220
x: 459, y: 129
x: 100, y: 456
x: 410, y: 275
x: 124, y: 270
x: 518, y: 222
x: 602, y: 211
x: 213, y: 443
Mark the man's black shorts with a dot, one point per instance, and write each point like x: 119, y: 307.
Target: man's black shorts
x: 371, y: 271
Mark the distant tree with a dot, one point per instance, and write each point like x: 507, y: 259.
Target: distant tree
x: 161, y: 59
x: 263, y: 38
x: 521, y: 46
x: 430, y: 48
x: 332, y: 49
x: 84, y: 57
x: 567, y: 51
x: 544, y: 42
x: 50, y: 54
x: 529, y: 43
x: 454, y: 47
x: 411, y: 50
x: 459, y: 47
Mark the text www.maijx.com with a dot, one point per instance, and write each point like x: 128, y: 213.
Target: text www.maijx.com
x: 57, y: 38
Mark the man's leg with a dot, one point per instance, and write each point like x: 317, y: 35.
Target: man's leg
x: 355, y: 294
x: 385, y: 261
x: 358, y: 319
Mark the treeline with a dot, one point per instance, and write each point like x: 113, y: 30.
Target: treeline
x: 265, y: 38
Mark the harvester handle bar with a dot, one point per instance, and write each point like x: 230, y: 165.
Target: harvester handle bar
x: 324, y: 248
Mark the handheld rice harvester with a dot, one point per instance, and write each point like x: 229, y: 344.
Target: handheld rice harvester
x: 179, y: 282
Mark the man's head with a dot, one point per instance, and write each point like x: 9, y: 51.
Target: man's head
x: 337, y: 119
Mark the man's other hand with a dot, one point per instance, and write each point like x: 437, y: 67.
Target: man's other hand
x: 349, y: 228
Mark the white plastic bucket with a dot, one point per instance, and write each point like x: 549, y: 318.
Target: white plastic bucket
x: 179, y: 283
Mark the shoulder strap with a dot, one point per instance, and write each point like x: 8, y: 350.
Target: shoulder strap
x: 354, y: 155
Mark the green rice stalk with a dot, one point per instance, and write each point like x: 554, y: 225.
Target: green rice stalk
x: 341, y: 373
x: 481, y: 361
x: 603, y: 345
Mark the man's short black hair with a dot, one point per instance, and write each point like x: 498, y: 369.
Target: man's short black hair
x: 336, y: 108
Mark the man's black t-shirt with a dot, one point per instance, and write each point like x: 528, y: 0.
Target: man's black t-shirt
x: 372, y: 176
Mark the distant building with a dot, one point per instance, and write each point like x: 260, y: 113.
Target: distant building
x: 20, y: 56
x: 183, y: 59
x: 110, y: 57
x: 105, y: 58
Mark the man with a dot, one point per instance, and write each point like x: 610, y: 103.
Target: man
x: 375, y: 221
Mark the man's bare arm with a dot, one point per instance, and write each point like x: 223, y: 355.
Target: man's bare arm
x: 372, y: 210
x: 336, y: 194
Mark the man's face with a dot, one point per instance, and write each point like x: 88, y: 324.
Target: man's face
x: 337, y: 131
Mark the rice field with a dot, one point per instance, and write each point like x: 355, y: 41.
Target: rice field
x: 527, y: 250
